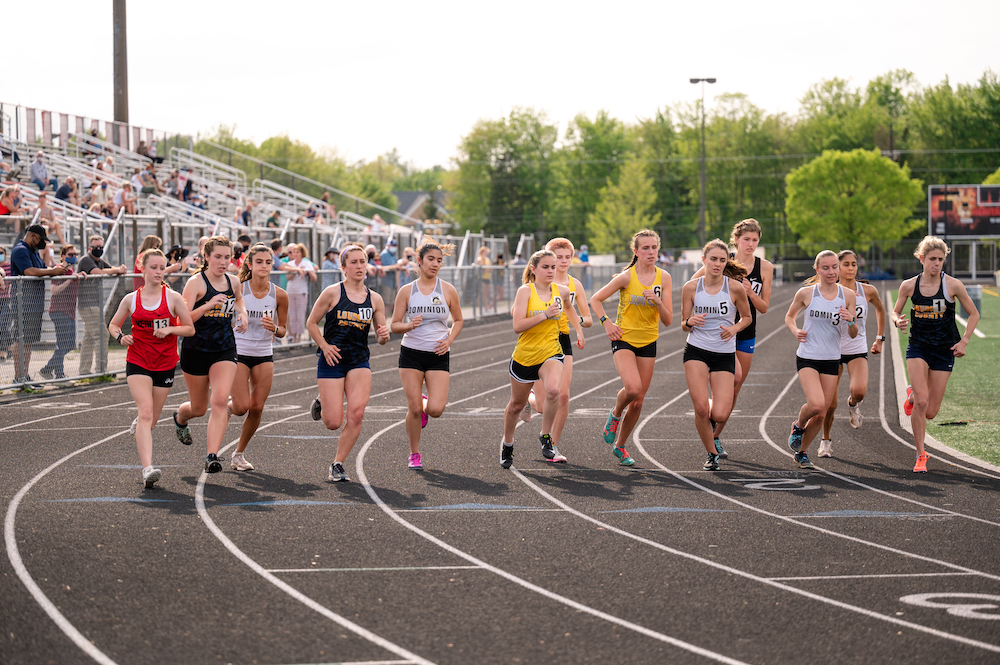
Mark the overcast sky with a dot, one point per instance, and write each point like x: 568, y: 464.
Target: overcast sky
x: 366, y: 77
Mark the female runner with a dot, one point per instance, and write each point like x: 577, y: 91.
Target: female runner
x: 709, y: 307
x: 208, y: 358
x: 853, y: 350
x: 267, y: 309
x: 633, y: 335
x: 350, y: 308
x: 424, y: 352
x: 151, y: 358
x: 577, y: 315
x: 934, y: 339
x: 538, y: 355
x: 817, y: 360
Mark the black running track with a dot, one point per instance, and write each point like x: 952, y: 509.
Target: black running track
x: 860, y: 561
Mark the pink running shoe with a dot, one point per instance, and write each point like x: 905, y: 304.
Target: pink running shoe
x: 415, y: 462
x: 424, y: 419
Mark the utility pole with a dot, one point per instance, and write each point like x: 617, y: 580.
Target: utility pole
x: 701, y: 213
x: 121, y: 71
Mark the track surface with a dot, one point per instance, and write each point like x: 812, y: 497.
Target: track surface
x: 858, y: 562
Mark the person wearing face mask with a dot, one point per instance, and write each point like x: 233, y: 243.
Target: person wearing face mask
x: 40, y: 174
x: 101, y: 199
x: 62, y: 312
x: 90, y: 301
x: 26, y: 261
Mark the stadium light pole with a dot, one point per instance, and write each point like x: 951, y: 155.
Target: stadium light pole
x: 701, y: 213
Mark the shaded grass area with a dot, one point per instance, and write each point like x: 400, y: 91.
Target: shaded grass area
x: 969, y: 419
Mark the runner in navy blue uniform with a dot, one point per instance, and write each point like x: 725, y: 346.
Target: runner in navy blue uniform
x: 350, y: 308
x: 208, y: 358
x: 934, y: 339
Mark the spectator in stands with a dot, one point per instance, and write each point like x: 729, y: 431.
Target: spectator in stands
x: 238, y: 216
x: 172, y: 184
x: 388, y: 259
x: 62, y: 312
x: 47, y: 217
x: 274, y: 220
x: 248, y: 212
x: 40, y: 174
x: 246, y: 241
x: 197, y: 201
x: 584, y: 255
x: 101, y: 199
x: 150, y: 179
x: 125, y: 198
x: 189, y: 191
x: 152, y: 152
x: 68, y: 192
x: 182, y: 181
x: 90, y: 303
x: 136, y: 179
x: 231, y: 191
x: 298, y: 289
x: 407, y: 266
x: 278, y: 266
x: 331, y: 210
x: 143, y: 149
x: 26, y: 261
x: 5, y: 168
x: 311, y: 212
x: 10, y: 201
x: 374, y: 263
x: 330, y: 263
x: 193, y: 263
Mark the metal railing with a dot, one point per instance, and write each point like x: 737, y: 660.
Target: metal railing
x: 85, y: 145
x: 209, y: 168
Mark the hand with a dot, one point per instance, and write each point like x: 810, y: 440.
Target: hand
x: 242, y: 322
x: 416, y: 321
x: 614, y: 332
x: 726, y: 332
x: 160, y: 333
x: 443, y: 346
x: 217, y: 299
x: 902, y: 324
x: 268, y: 323
x: 800, y: 334
x: 580, y: 341
x: 552, y: 311
x: 122, y: 269
x: 696, y: 321
x: 331, y: 355
x: 61, y: 269
x: 846, y: 315
x: 877, y: 347
x: 747, y: 286
x: 127, y: 340
x: 382, y: 334
x: 650, y: 295
x: 959, y: 348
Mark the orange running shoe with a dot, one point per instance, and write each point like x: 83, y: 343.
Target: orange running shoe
x: 921, y: 465
x: 908, y: 405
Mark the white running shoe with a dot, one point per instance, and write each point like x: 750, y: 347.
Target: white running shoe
x: 855, y: 414
x: 135, y: 423
x: 526, y: 412
x: 825, y: 447
x: 150, y: 476
x: 240, y: 463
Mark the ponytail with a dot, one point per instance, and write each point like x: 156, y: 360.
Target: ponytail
x: 528, y: 277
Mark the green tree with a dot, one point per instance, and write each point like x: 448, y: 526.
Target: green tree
x: 993, y: 178
x: 656, y: 142
x: 850, y: 199
x: 623, y: 209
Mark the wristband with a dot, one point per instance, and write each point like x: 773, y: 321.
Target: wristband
x: 119, y: 338
x: 686, y: 324
x: 852, y: 323
x: 603, y: 319
x: 581, y: 320
x: 879, y: 338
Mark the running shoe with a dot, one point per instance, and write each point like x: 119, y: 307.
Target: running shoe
x: 624, y: 459
x: 803, y: 461
x: 415, y: 462
x: 150, y: 476
x: 47, y: 372
x: 825, y: 447
x: 711, y: 463
x: 547, y: 447
x: 506, y: 455
x: 921, y: 465
x: 557, y: 456
x: 908, y: 404
x: 133, y: 426
x: 316, y: 410
x: 423, y: 416
x: 183, y: 432
x: 795, y: 438
x: 212, y: 463
x: 337, y: 473
x: 240, y: 463
x: 719, y: 450
x: 611, y: 428
x: 712, y: 422
x: 855, y: 414
x: 525, y: 414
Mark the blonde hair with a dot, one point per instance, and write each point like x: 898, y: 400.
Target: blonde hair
x: 350, y: 247
x: 634, y: 245
x: 246, y: 268
x: 733, y: 270
x: 819, y: 257
x: 928, y: 244
x: 428, y: 243
x: 302, y: 248
x: 528, y: 276
x: 210, y: 244
x: 750, y: 225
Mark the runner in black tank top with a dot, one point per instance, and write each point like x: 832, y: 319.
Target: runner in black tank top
x: 208, y: 359
x: 934, y: 339
x: 342, y: 369
x: 750, y: 332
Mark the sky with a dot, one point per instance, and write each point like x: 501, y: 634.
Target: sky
x: 363, y: 78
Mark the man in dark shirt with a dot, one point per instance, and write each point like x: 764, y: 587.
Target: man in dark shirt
x: 90, y: 304
x: 28, y: 296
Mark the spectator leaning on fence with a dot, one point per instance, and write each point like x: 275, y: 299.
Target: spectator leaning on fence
x: 27, y: 262
x: 298, y: 290
x: 5, y: 311
x: 40, y: 174
x: 90, y: 303
x: 62, y: 312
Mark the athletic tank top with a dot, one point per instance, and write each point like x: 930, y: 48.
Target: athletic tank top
x: 148, y: 351
x: 434, y: 325
x: 347, y: 326
x: 568, y: 311
x: 256, y: 341
x: 822, y: 326
x: 757, y: 284
x: 638, y: 317
x: 852, y: 346
x: 213, y: 332
x: 719, y: 311
x: 932, y: 319
x: 540, y: 342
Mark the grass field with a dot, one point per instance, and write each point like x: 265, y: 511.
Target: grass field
x: 969, y: 419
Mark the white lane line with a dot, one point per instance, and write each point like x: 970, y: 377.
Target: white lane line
x: 363, y: 479
x: 866, y: 577
x: 10, y: 537
x: 784, y: 450
x: 965, y: 324
x: 368, y: 570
